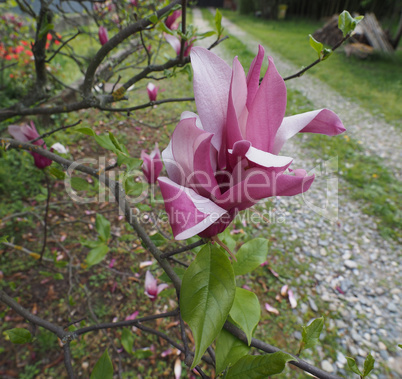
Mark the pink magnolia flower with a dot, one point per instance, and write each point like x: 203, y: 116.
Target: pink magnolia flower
x: 225, y: 159
x: 152, y: 165
x: 170, y: 21
x: 26, y: 133
x: 103, y: 36
x: 152, y: 290
x: 176, y: 44
x: 152, y: 91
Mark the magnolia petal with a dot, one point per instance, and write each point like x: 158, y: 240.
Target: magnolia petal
x: 174, y: 171
x: 322, y: 121
x: 146, y: 264
x: 152, y: 164
x: 264, y: 159
x: 284, y: 290
x: 258, y: 184
x: 253, y: 76
x: 59, y: 148
x: 17, y: 132
x: 174, y: 42
x: 161, y: 287
x: 267, y: 110
x: 188, y: 212
x: 177, y: 368
x: 236, y: 104
x: 292, y: 299
x: 191, y: 149
x: 133, y: 316
x: 188, y: 114
x: 151, y: 287
x: 271, y: 309
x: 212, y: 76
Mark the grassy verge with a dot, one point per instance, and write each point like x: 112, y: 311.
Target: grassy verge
x: 373, y: 82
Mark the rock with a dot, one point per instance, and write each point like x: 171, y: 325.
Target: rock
x: 297, y: 335
x: 382, y: 346
x: 392, y: 307
x: 313, y: 305
x: 350, y: 264
x: 340, y: 358
x: 327, y: 366
x: 353, y: 351
x: 355, y: 336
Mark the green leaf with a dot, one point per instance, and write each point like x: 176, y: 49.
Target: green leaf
x: 157, y: 239
x: 218, y: 23
x: 353, y: 366
x: 57, y: 173
x: 115, y: 142
x: 246, y: 311
x: 229, y: 349
x: 400, y: 345
x: 131, y: 163
x: 3, y: 239
x: 127, y: 340
x: 207, y: 294
x: 346, y: 23
x: 143, y: 353
x: 326, y: 53
x: 368, y: 365
x: 79, y: 184
x: 311, y: 333
x: 86, y: 131
x: 259, y: 366
x: 97, y: 254
x: 102, y: 226
x: 206, y: 34
x: 105, y: 142
x: 153, y: 18
x: 250, y: 256
x: 317, y: 46
x: 103, y: 368
x: 19, y: 335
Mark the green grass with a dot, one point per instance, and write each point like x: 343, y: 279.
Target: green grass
x: 376, y: 83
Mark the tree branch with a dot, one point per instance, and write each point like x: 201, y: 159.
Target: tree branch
x: 301, y: 72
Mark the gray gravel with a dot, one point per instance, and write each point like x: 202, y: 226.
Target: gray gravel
x: 357, y: 274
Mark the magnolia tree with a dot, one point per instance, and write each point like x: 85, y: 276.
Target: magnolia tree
x: 220, y: 161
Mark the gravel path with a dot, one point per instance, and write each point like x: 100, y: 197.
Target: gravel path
x: 356, y: 272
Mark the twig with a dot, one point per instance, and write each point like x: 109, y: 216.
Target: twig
x: 272, y: 349
x: 217, y: 42
x: 183, y: 27
x: 58, y: 331
x: 55, y: 131
x: 26, y: 251
x: 67, y: 360
x: 301, y: 72
x: 183, y: 249
x: 125, y: 323
x: 62, y: 45
x: 150, y: 104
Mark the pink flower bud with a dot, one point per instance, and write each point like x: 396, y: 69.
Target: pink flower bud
x: 152, y: 165
x: 152, y: 290
x: 152, y: 91
x: 103, y: 37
